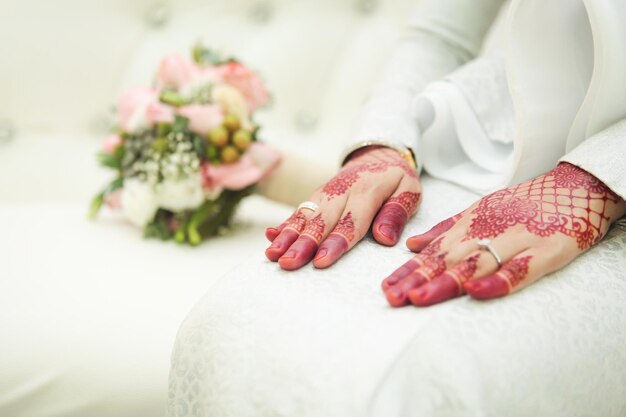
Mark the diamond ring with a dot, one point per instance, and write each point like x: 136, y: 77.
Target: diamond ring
x: 309, y: 205
x: 485, y: 244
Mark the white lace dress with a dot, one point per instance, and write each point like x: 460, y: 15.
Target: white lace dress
x: 263, y: 342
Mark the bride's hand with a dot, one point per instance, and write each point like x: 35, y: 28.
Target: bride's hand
x: 535, y: 228
x: 376, y: 184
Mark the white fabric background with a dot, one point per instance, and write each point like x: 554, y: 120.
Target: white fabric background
x: 89, y: 310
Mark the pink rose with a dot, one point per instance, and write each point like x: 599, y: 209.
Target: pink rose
x: 247, y: 82
x: 132, y: 106
x: 176, y: 71
x: 114, y: 200
x: 252, y: 167
x: 202, y: 118
x: 157, y: 112
x: 111, y: 143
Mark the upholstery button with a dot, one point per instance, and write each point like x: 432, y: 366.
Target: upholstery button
x: 366, y: 7
x: 261, y: 12
x: 306, y: 120
x: 157, y: 15
x: 7, y: 131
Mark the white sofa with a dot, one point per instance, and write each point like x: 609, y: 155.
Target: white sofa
x: 89, y: 311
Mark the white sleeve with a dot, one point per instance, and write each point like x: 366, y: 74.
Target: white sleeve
x: 604, y: 156
x: 442, y: 35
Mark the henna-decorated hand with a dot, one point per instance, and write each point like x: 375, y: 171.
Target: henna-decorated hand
x: 376, y: 184
x: 536, y: 228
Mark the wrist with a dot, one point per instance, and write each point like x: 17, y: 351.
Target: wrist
x: 371, y: 145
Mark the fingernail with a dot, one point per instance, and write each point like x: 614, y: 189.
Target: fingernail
x: 395, y: 297
x: 275, y: 245
x: 270, y: 233
x: 485, y: 288
x: 321, y: 253
x: 291, y: 253
x: 391, y: 280
x: 388, y: 231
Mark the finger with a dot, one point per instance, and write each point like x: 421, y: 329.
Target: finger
x: 315, y: 230
x: 466, y: 262
x: 517, y: 273
x: 288, y: 234
x: 431, y: 266
x: 450, y: 284
x: 426, y: 265
x: 351, y: 228
x: 419, y: 242
x: 272, y: 232
x: 395, y: 213
x: 433, y: 249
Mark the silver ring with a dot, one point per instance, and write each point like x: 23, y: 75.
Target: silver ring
x: 309, y: 205
x: 485, y: 244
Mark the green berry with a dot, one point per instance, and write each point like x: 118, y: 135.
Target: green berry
x: 242, y: 139
x: 218, y: 136
x: 231, y: 122
x: 160, y: 145
x: 229, y: 155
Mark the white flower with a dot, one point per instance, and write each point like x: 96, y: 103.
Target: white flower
x: 200, y: 82
x: 213, y: 193
x: 138, y: 120
x: 233, y: 102
x: 181, y: 194
x: 139, y: 202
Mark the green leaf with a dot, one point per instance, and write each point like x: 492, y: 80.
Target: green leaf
x: 160, y: 145
x: 98, y: 200
x: 172, y: 98
x: 180, y: 124
x: 158, y: 227
x: 95, y: 206
x: 200, y: 146
x: 163, y: 128
x: 109, y: 161
x: 205, y: 56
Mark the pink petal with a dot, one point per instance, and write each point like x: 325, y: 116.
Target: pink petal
x: 247, y: 82
x: 111, y: 143
x: 114, y: 200
x: 264, y: 157
x: 132, y: 100
x: 232, y: 176
x: 202, y: 118
x: 159, y: 112
x: 176, y: 71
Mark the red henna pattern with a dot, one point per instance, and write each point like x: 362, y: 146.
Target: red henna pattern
x: 433, y: 247
x: 432, y: 266
x: 376, y: 163
x: 515, y: 270
x: 296, y: 221
x: 465, y: 271
x: 407, y: 200
x: 345, y: 227
x: 429, y: 265
x: 567, y: 200
x: 315, y: 228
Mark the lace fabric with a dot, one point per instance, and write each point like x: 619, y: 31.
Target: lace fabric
x: 264, y: 342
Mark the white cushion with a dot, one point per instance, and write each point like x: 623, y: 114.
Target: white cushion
x: 89, y: 310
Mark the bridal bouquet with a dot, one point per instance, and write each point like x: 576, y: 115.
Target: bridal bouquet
x: 185, y: 152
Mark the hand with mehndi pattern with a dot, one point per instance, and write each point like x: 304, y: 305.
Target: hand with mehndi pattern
x: 535, y: 227
x: 375, y: 187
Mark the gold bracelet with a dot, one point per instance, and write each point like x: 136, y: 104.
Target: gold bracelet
x: 405, y: 152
